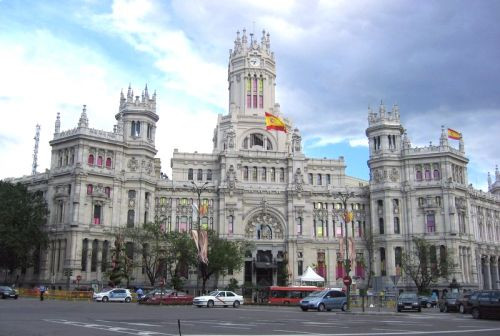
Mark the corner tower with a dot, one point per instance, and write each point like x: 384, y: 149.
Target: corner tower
x: 137, y: 119
x: 251, y: 75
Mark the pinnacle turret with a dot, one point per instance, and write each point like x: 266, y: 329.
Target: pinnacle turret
x: 242, y: 45
x: 84, y: 121
x: 443, y: 139
x: 383, y: 116
x: 57, y: 127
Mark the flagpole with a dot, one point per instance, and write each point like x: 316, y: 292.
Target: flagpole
x: 198, y: 190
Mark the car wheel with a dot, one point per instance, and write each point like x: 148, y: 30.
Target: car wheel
x: 210, y: 304
x: 303, y: 308
x: 475, y: 313
x: 321, y: 307
x: 105, y: 299
x: 127, y: 300
x: 344, y: 306
x: 328, y: 310
x: 428, y: 305
x: 419, y: 310
x: 236, y: 304
x: 399, y: 310
x: 15, y: 297
x: 441, y: 309
x: 461, y: 309
x: 199, y: 306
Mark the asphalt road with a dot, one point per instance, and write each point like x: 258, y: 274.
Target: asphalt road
x: 26, y: 317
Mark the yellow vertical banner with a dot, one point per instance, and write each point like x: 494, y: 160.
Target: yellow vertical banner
x: 249, y: 85
x: 261, y: 85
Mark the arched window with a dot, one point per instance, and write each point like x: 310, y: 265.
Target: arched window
x: 264, y: 232
x: 190, y: 174
x: 130, y: 218
x: 254, y: 173
x: 90, y: 160
x: 381, y: 227
x: 282, y: 174
x: 245, y: 143
x: 108, y: 163
x: 93, y: 262
x: 199, y: 176
x: 97, y: 214
x: 209, y: 175
x: 398, y: 254
x: 256, y: 139
x: 269, y: 145
x: 104, y: 256
x: 245, y: 173
x: 418, y: 174
x: 264, y: 174
x: 85, y: 252
x: 320, y: 179
x: 437, y: 175
x: 107, y: 191
x: 427, y: 173
x: 99, y: 161
x: 273, y: 174
x: 382, y: 262
x: 310, y: 176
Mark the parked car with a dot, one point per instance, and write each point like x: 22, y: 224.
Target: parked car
x: 171, y: 297
x: 409, y: 301
x: 115, y: 294
x: 157, y: 292
x: 427, y: 301
x: 218, y: 298
x: 449, y: 302
x: 485, y: 303
x: 463, y: 303
x: 324, y: 300
x: 7, y: 292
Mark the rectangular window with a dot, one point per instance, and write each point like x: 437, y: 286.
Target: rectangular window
x: 254, y: 101
x: 299, y: 226
x: 183, y: 224
x: 381, y: 227
x: 97, y: 214
x: 328, y: 179
x: 431, y: 223
x: 300, y: 267
x: 396, y: 225
x: 230, y: 225
x: 254, y: 173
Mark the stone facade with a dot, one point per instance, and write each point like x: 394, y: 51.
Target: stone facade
x: 260, y: 187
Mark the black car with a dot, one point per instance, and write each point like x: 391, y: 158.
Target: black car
x: 463, y: 303
x: 427, y: 301
x: 449, y: 302
x: 409, y: 301
x: 485, y: 303
x: 8, y: 292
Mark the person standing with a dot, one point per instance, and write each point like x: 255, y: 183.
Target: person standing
x: 42, y: 291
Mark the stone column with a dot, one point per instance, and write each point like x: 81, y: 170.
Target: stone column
x: 494, y: 273
x: 99, y: 260
x: 487, y: 273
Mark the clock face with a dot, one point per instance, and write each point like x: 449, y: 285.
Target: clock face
x: 254, y: 61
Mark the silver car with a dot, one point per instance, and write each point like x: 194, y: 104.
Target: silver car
x: 115, y: 294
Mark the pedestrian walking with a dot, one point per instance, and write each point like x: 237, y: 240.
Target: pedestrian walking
x: 42, y: 290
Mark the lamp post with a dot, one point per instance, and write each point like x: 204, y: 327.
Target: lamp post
x: 198, y: 190
x: 344, y: 197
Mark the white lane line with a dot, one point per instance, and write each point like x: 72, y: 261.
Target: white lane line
x: 128, y: 331
x: 133, y: 323
x: 432, y: 332
x: 221, y: 326
x: 384, y: 329
x: 293, y: 332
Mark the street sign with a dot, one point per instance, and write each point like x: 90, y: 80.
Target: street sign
x: 347, y: 280
x: 395, y: 279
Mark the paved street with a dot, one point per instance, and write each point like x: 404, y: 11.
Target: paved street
x: 31, y: 317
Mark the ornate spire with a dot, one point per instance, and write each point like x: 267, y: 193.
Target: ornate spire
x: 84, y: 121
x: 489, y: 181
x: 443, y: 140
x: 146, y: 93
x: 381, y: 109
x: 57, y: 127
x: 244, y: 39
x: 497, y: 174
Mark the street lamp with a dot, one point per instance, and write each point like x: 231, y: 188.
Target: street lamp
x: 198, y: 190
x: 344, y: 197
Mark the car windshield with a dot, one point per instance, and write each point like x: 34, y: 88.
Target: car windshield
x: 317, y: 294
x: 408, y: 296
x: 214, y: 293
x: 452, y: 296
x: 4, y: 288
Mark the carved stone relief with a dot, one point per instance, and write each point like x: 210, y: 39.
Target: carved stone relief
x: 264, y: 226
x: 133, y: 164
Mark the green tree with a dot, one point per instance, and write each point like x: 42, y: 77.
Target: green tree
x: 369, y: 245
x: 421, y: 264
x: 122, y: 264
x: 22, y: 233
x: 151, y: 248
x: 180, y: 256
x: 223, y: 255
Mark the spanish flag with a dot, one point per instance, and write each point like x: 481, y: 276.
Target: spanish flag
x: 275, y: 123
x: 452, y: 134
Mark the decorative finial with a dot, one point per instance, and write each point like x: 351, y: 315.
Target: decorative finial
x: 57, y: 128
x: 146, y: 93
x: 84, y: 121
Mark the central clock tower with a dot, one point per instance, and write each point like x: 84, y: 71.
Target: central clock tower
x: 251, y: 75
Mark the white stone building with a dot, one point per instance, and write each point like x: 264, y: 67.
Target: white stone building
x: 262, y: 188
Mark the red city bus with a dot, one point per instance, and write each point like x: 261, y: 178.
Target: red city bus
x: 290, y: 295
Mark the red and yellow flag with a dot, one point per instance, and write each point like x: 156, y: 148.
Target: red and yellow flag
x: 452, y: 134
x: 275, y: 123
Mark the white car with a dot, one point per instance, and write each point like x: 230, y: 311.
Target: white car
x: 115, y: 294
x: 219, y: 298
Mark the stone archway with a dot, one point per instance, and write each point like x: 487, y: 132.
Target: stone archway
x: 264, y: 226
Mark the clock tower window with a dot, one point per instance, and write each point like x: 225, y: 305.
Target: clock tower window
x: 254, y: 100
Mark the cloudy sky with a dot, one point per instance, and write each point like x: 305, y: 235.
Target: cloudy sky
x: 438, y: 60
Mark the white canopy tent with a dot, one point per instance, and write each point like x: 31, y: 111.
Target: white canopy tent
x: 310, y: 276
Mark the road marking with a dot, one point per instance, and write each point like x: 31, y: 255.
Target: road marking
x: 295, y: 332
x: 384, y: 329
x: 133, y: 323
x: 128, y: 331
